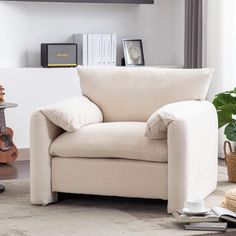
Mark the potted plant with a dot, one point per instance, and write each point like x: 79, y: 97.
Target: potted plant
x: 225, y: 104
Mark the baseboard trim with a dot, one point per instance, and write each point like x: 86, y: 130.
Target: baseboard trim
x: 23, y: 154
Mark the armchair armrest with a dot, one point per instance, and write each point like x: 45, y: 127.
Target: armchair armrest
x: 42, y: 133
x: 192, y: 154
x: 47, y: 124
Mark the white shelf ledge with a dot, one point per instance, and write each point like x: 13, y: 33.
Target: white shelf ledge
x: 91, y: 1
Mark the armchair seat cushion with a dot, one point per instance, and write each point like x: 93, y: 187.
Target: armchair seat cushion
x: 110, y: 140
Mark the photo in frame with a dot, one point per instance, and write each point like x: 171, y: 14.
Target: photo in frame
x: 133, y: 52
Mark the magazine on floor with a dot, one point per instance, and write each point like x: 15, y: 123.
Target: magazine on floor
x: 224, y: 214
x: 209, y: 226
x: 216, y: 214
x: 208, y: 217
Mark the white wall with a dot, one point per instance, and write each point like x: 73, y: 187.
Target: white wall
x: 27, y: 25
x: 14, y: 35
x: 155, y: 24
x: 48, y: 25
x: 32, y: 88
x: 179, y: 22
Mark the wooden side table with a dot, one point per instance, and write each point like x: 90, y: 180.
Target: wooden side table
x: 3, y: 106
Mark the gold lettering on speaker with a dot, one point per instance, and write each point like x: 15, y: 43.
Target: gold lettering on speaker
x: 62, y: 54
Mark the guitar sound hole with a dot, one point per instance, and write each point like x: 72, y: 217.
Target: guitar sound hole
x: 5, y: 137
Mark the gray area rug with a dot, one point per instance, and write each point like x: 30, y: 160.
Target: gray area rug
x: 84, y: 215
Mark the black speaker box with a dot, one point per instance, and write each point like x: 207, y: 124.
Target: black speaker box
x: 58, y: 54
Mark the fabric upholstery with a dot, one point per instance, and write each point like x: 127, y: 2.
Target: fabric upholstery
x: 111, y: 140
x: 133, y: 94
x: 158, y: 122
x: 73, y: 113
x: 42, y: 133
x: 114, y: 177
x: 192, y: 155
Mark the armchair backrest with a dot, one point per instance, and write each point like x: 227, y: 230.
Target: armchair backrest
x: 133, y: 94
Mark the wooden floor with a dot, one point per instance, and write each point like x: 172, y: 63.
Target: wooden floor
x: 15, y: 170
x: 20, y: 170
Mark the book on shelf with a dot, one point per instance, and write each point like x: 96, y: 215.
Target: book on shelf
x: 78, y: 39
x: 96, y: 49
x: 106, y: 49
x: 90, y: 49
x: 82, y: 48
x: 85, y: 50
x: 113, y: 53
x: 210, y: 226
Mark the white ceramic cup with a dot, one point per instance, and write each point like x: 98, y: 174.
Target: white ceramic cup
x: 194, y: 205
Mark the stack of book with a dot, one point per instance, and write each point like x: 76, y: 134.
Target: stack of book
x: 217, y: 219
x: 96, y: 49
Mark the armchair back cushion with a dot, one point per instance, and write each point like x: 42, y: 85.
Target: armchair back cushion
x: 133, y: 94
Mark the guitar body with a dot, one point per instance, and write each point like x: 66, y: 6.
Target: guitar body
x: 8, y: 150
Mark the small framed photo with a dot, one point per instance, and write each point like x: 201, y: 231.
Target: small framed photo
x: 133, y: 52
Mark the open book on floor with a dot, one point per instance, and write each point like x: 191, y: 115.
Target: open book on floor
x: 224, y: 214
x: 216, y: 214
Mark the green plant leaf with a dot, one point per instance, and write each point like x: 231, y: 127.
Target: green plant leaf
x: 230, y: 108
x: 225, y: 104
x: 223, y: 99
x: 224, y: 118
x: 230, y: 131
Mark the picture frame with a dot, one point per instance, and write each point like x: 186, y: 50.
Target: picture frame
x: 133, y: 52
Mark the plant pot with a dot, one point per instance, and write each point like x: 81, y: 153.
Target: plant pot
x: 230, y: 159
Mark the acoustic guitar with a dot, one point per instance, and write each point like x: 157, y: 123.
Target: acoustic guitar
x: 8, y: 150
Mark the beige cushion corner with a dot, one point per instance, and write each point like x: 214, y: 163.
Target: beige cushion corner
x: 158, y: 122
x: 72, y: 113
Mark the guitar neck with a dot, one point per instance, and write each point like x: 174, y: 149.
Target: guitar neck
x: 2, y: 119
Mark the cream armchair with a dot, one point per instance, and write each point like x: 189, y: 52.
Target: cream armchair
x: 114, y: 155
